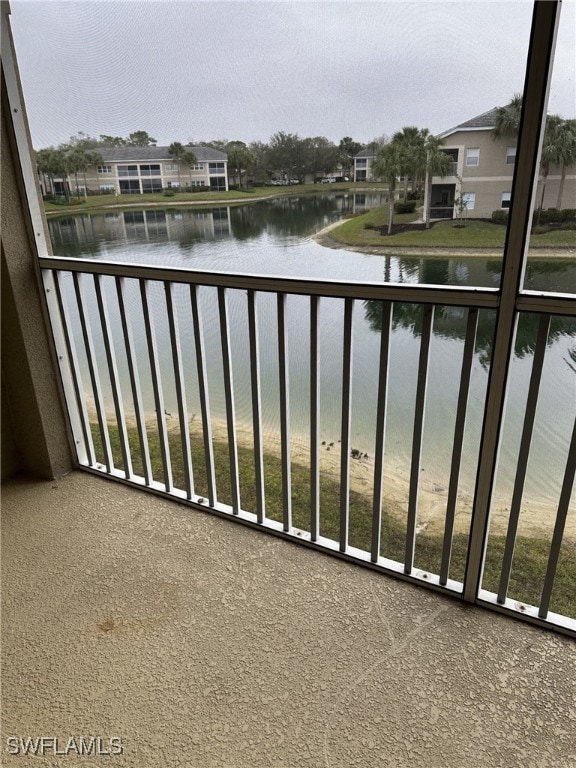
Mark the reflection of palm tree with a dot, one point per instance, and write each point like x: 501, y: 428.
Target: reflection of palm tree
x: 450, y: 323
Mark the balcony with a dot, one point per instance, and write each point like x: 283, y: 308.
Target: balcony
x: 200, y: 642
x: 362, y: 506
x: 148, y: 597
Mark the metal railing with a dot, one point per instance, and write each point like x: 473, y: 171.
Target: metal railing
x: 97, y: 306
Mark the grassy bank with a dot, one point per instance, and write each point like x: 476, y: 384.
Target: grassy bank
x: 443, y: 234
x: 531, y: 553
x: 95, y: 203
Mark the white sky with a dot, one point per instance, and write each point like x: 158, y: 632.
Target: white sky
x: 197, y: 71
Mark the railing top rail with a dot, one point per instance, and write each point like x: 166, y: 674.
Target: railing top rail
x: 410, y: 293
x: 548, y: 303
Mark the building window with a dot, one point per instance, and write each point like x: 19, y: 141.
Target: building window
x: 104, y: 169
x: 149, y: 170
x: 170, y: 168
x: 361, y: 163
x: 127, y: 170
x: 469, y: 200
x: 198, y: 183
x: 107, y: 188
x: 151, y: 185
x: 197, y: 167
x: 217, y: 184
x: 216, y: 167
x: 473, y: 156
x: 510, y: 155
x: 505, y: 202
x: 173, y: 185
x: 129, y: 187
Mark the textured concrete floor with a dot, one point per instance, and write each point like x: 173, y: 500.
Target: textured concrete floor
x: 201, y: 643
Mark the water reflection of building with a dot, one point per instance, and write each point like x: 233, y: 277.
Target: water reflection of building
x: 150, y: 225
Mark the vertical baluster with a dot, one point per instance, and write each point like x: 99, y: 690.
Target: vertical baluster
x: 134, y: 381
x: 314, y: 420
x: 229, y: 395
x: 523, y: 455
x: 467, y: 360
x: 256, y: 406
x: 180, y: 390
x: 94, y: 376
x: 385, y: 334
x: 75, y: 371
x: 346, y: 423
x: 558, y: 534
x: 114, y: 377
x: 427, y: 319
x: 156, y: 386
x: 284, y: 413
x: 203, y: 391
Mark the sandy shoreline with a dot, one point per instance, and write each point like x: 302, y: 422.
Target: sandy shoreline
x: 536, y: 519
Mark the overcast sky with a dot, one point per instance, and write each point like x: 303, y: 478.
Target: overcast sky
x: 193, y: 71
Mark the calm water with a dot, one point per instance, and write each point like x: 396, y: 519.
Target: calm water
x: 275, y: 237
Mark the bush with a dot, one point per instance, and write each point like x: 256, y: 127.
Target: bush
x: 413, y: 196
x: 168, y: 193
x: 553, y: 215
x: 500, y: 216
x: 408, y: 207
x: 540, y: 229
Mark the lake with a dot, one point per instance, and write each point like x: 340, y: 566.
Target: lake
x: 275, y: 237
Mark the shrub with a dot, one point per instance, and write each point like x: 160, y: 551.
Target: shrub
x: 168, y: 193
x: 500, y: 216
x: 553, y: 215
x: 408, y: 207
x: 541, y: 229
x: 413, y: 196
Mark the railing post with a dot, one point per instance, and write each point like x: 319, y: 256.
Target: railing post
x: 536, y: 86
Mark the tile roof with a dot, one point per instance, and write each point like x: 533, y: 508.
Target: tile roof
x: 366, y: 153
x: 148, y: 154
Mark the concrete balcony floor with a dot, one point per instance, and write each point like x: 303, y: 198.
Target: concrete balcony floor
x: 202, y: 643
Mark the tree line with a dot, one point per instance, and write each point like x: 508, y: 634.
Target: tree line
x: 410, y: 157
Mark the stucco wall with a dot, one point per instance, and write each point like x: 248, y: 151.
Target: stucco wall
x: 34, y: 436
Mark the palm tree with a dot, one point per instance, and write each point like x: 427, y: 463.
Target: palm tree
x: 567, y: 153
x: 551, y: 153
x: 438, y: 163
x: 507, y: 121
x: 411, y: 141
x: 558, y: 145
x: 389, y: 164
x: 189, y: 158
x: 93, y: 157
x: 239, y: 158
x: 176, y: 150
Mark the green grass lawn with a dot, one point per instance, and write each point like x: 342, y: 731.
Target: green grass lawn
x: 476, y: 234
x: 531, y: 553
